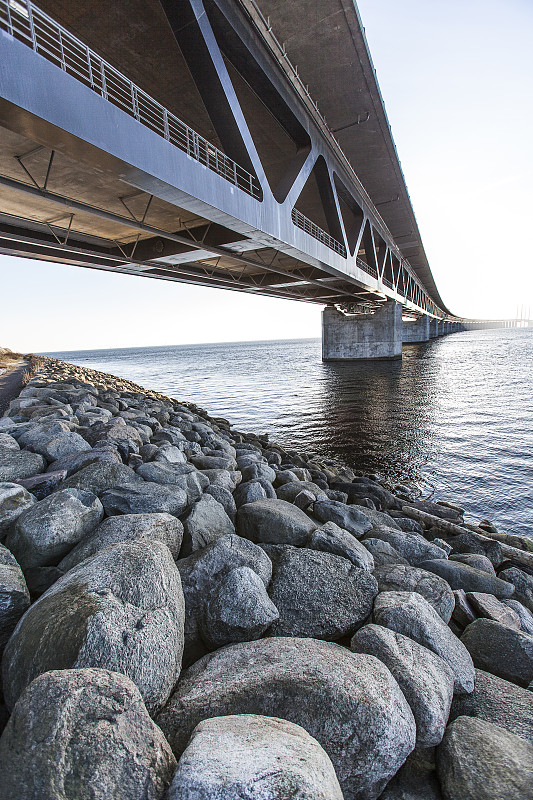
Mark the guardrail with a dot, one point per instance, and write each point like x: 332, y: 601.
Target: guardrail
x: 26, y: 22
x: 370, y: 270
x: 301, y: 221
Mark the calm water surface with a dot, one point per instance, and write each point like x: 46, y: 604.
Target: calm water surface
x: 454, y: 417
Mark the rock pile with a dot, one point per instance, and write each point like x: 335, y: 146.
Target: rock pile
x: 189, y: 612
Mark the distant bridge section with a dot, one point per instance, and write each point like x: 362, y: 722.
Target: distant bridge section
x: 176, y: 140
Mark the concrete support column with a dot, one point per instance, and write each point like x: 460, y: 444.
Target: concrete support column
x: 416, y: 331
x: 362, y: 336
x: 433, y: 328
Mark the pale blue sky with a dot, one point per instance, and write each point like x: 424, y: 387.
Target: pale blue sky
x: 456, y: 76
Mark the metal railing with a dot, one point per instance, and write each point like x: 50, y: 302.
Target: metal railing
x: 313, y: 230
x: 26, y: 22
x: 370, y: 270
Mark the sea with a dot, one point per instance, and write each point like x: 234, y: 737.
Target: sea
x: 453, y: 419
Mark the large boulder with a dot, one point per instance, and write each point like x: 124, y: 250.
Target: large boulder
x: 461, y: 576
x: 185, y: 476
x: 523, y: 584
x: 121, y: 610
x: 319, y: 595
x: 349, y: 518
x: 205, y: 523
x: 332, y: 539
x: 238, y: 609
x: 40, y: 486
x: 350, y: 703
x: 76, y: 461
x: 255, y: 757
x: 481, y: 761
x: 14, y: 499
x: 200, y: 574
x: 401, y: 578
x: 145, y: 498
x: 43, y: 534
x: 17, y: 464
x: 524, y: 614
x: 486, y: 605
x: 83, y: 733
x: 411, y: 546
x: 424, y: 678
x: 408, y: 613
x: 290, y: 491
x: 500, y: 650
x: 123, y: 528
x: 14, y: 595
x: 498, y: 701
x: 383, y: 553
x: 274, y: 522
x: 100, y: 476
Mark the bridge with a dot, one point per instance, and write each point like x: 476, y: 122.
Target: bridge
x: 186, y: 140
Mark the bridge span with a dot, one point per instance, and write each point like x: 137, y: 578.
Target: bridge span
x: 178, y: 140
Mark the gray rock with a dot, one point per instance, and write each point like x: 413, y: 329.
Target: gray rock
x: 203, y: 570
x: 463, y: 613
x: 383, y: 553
x: 274, y: 522
x: 124, y: 528
x: 100, y: 477
x: 470, y: 542
x: 221, y: 477
x: 523, y: 584
x: 17, y: 464
x: 238, y: 609
x: 475, y: 560
x: 254, y: 757
x: 45, y: 533
x: 524, y: 614
x: 350, y: 518
x: 332, y: 539
x: 14, y: 499
x: 8, y: 442
x: 290, y: 491
x: 170, y: 454
x: 498, y: 701
x: 83, y: 733
x: 425, y: 679
x: 350, y: 703
x: 461, y: 576
x: 248, y: 492
x: 185, y: 476
x: 401, y: 578
x: 411, y: 546
x: 213, y: 462
x: 145, y: 498
x: 63, y: 445
x: 500, y: 650
x: 380, y: 519
x: 205, y: 523
x: 319, y: 595
x: 258, y: 470
x: 225, y: 499
x: 304, y: 500
x: 44, y: 484
x: 14, y: 595
x: 480, y: 761
x: 410, y: 614
x: 486, y: 605
x: 121, y: 610
x: 76, y: 461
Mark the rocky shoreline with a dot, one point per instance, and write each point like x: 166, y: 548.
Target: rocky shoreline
x: 190, y: 612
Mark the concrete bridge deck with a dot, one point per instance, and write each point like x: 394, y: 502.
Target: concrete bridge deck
x: 177, y: 141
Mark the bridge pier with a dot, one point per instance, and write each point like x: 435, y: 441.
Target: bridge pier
x: 416, y: 331
x: 433, y: 328
x: 362, y: 336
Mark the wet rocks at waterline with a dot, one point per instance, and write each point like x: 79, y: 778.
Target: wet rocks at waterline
x: 190, y: 612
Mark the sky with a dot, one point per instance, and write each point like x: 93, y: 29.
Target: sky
x: 456, y: 77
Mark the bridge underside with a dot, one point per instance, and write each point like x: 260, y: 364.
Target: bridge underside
x: 194, y: 156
